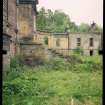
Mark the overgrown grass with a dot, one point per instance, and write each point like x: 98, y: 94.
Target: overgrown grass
x: 54, y: 83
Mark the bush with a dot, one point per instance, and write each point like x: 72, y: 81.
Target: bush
x: 73, y: 59
x: 15, y: 62
x: 78, y: 51
x: 40, y: 84
x: 46, y: 40
x: 33, y: 60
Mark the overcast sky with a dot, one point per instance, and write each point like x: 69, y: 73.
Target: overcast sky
x: 78, y: 10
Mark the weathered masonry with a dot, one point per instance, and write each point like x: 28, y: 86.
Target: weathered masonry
x: 9, y: 31
x: 26, y: 23
x: 58, y: 41
x: 89, y: 42
x: 26, y: 18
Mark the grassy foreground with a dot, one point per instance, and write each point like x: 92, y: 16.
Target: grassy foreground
x: 55, y: 83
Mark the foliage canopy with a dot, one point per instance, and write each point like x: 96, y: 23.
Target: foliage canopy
x: 58, y: 21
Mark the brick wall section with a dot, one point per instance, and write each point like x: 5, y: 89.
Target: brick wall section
x: 12, y: 17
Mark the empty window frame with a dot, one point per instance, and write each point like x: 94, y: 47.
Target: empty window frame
x: 78, y: 42
x: 91, y: 42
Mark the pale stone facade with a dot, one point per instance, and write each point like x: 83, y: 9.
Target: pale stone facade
x: 26, y: 23
x: 24, y: 18
x: 85, y: 42
x: 40, y: 36
x: 58, y: 41
x: 69, y: 42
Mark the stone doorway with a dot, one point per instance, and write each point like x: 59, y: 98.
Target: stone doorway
x: 91, y: 52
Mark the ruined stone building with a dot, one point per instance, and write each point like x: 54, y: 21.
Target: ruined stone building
x: 19, y: 32
x: 9, y: 30
x: 88, y: 42
x: 19, y: 28
x: 26, y: 23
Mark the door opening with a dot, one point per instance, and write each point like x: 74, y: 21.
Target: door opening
x: 91, y: 52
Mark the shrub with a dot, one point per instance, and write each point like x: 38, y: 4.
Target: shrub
x: 15, y: 62
x: 33, y: 60
x: 73, y: 59
x: 46, y: 40
x: 78, y: 51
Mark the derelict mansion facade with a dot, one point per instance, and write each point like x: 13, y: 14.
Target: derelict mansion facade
x: 90, y: 43
x: 21, y: 18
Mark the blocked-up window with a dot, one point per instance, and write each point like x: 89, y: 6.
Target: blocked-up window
x: 91, y: 42
x: 78, y: 42
x: 58, y: 42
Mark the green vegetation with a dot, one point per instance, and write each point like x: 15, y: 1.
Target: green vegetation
x: 58, y: 21
x: 55, y: 82
x: 78, y: 51
x: 46, y: 40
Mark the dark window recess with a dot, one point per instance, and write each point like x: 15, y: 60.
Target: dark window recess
x: 4, y: 51
x: 25, y: 1
x: 78, y: 42
x: 100, y: 52
x: 91, y: 42
x: 91, y: 52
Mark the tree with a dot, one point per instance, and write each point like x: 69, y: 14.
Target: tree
x: 58, y: 21
x: 41, y: 19
x: 83, y: 27
x: 52, y: 21
x: 73, y: 27
x: 98, y: 29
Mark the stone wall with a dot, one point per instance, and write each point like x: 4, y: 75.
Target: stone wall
x: 61, y: 39
x: 26, y: 18
x: 7, y: 54
x: 72, y: 44
x: 12, y: 18
x: 9, y: 34
x: 29, y: 49
x: 40, y: 36
x: 85, y: 37
x: 32, y: 53
x: 5, y: 20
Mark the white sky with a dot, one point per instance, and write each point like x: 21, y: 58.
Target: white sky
x: 79, y: 10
